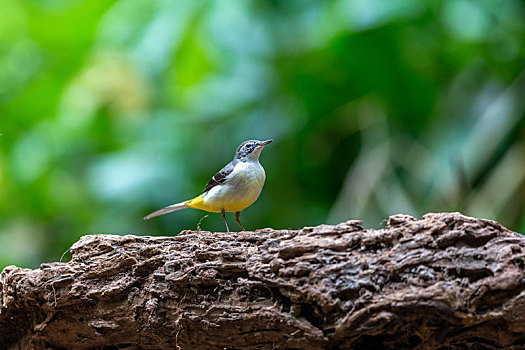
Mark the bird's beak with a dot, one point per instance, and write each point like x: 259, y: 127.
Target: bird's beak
x: 264, y: 143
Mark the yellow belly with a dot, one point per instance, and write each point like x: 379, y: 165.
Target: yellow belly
x: 231, y: 206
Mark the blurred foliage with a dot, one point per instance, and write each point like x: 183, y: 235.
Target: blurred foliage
x: 112, y: 109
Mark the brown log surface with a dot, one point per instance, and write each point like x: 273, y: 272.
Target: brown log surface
x: 446, y: 281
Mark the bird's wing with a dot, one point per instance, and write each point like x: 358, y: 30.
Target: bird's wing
x: 220, y: 177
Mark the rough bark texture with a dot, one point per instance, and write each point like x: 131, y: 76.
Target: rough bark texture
x: 446, y: 281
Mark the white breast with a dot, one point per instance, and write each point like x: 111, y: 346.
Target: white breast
x: 241, y: 188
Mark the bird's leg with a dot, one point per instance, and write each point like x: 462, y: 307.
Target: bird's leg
x: 237, y: 219
x: 223, y: 213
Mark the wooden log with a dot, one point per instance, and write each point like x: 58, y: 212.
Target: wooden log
x: 446, y: 281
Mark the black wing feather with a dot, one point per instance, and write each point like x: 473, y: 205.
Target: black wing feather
x: 220, y: 177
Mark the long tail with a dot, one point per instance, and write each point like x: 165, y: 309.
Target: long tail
x: 167, y: 209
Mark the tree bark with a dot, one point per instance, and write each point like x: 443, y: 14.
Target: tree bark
x: 444, y: 282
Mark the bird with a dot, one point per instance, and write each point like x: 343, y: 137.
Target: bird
x: 234, y: 188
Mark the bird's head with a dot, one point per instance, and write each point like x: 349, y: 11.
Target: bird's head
x: 251, y: 149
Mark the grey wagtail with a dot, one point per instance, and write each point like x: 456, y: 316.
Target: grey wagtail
x: 233, y: 189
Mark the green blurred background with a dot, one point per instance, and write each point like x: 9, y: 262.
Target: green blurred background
x: 112, y: 109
